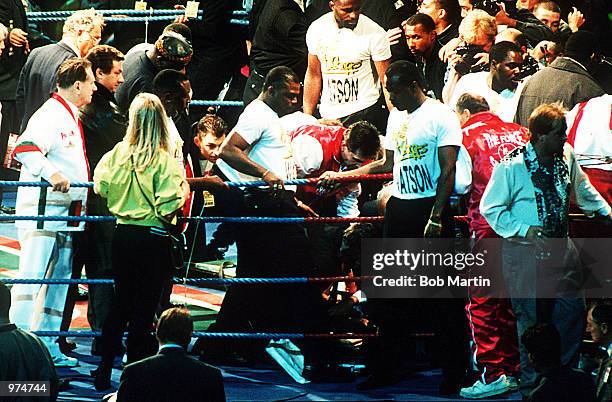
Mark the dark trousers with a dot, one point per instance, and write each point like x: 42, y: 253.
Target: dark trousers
x: 93, y: 249
x: 10, y: 124
x: 398, y: 318
x: 268, y: 250
x: 377, y: 114
x: 141, y: 265
x: 253, y: 86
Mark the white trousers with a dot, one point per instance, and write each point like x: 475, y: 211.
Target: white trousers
x: 44, y: 254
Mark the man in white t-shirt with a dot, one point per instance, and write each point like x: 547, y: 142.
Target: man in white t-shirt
x: 342, y: 47
x: 422, y: 142
x: 498, y: 86
x: 259, y: 149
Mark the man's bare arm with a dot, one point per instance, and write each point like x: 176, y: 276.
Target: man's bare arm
x: 313, y: 83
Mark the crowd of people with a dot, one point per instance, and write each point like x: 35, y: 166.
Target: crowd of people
x: 497, y: 111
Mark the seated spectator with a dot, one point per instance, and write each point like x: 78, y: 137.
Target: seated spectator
x: 171, y: 375
x: 500, y: 85
x: 599, y: 325
x: 23, y: 357
x: 556, y: 383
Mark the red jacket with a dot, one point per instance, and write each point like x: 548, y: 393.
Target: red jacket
x: 330, y: 138
x: 487, y: 139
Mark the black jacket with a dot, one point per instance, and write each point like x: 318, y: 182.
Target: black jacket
x: 171, y: 375
x: 103, y: 125
x: 12, y: 13
x: 38, y: 76
x: 534, y: 30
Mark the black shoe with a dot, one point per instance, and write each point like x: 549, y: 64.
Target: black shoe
x: 375, y: 381
x: 63, y: 384
x: 66, y: 346
x: 102, y: 377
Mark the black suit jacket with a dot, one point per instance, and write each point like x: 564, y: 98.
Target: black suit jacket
x: 37, y: 78
x: 12, y: 13
x: 604, y: 380
x: 171, y: 375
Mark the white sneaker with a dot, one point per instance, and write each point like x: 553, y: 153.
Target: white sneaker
x: 481, y: 390
x: 65, y: 361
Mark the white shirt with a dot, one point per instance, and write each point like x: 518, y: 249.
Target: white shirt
x: 52, y: 143
x: 502, y: 104
x: 176, y: 144
x: 414, y: 139
x: 593, y: 132
x: 346, y: 63
x: 269, y: 144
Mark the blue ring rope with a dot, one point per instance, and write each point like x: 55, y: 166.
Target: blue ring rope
x: 208, y: 219
x: 232, y: 335
x: 131, y: 19
x: 235, y: 13
x: 180, y: 281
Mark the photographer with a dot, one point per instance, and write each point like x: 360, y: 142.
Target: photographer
x: 477, y: 34
x: 499, y: 85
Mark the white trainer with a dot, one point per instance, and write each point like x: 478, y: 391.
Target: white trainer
x: 65, y: 361
x: 481, y: 390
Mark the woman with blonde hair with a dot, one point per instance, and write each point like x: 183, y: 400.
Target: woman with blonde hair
x: 144, y: 188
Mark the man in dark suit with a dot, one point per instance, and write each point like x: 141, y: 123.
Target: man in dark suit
x: 82, y: 31
x: 599, y: 324
x: 13, y: 17
x: 171, y: 375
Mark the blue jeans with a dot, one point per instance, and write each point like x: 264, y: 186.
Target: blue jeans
x: 530, y: 288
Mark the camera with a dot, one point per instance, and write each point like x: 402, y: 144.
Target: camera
x: 468, y: 61
x: 528, y: 67
x: 492, y: 6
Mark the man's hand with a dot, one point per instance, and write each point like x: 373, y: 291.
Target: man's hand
x: 328, y: 179
x: 537, y: 235
x: 275, y: 182
x: 216, y: 183
x: 483, y: 58
x: 433, y: 229
x: 502, y: 18
x: 449, y: 49
x: 18, y: 38
x: 180, y: 19
x: 59, y: 182
x: 394, y: 35
x: 575, y: 19
x: 309, y: 211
